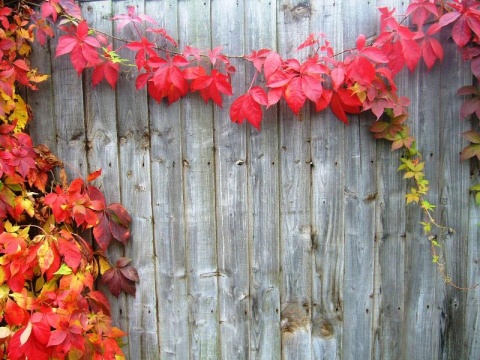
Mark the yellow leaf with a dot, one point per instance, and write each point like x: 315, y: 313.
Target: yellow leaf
x: 103, y: 264
x: 10, y: 228
x: 3, y: 278
x: 24, y: 49
x: 45, y: 256
x: 20, y: 113
x: 33, y: 76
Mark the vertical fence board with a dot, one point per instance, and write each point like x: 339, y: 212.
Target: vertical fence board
x: 199, y: 189
x: 43, y: 128
x: 133, y: 132
x: 452, y: 209
x: 102, y: 141
x: 231, y: 191
x: 328, y: 182
x: 360, y: 188
x: 295, y: 204
x: 68, y: 115
x: 168, y: 208
x: 263, y: 162
x: 424, y: 317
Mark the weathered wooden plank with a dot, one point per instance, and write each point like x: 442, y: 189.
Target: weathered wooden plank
x: 263, y: 182
x: 168, y: 209
x: 102, y: 141
x: 199, y: 191
x: 359, y: 213
x: 135, y: 182
x: 231, y: 193
x: 388, y: 332
x: 68, y: 115
x: 453, y: 186
x: 328, y: 183
x: 295, y: 196
x: 472, y: 328
x: 424, y: 314
x: 42, y: 128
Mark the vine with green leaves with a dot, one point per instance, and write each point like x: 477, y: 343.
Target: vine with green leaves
x: 49, y: 304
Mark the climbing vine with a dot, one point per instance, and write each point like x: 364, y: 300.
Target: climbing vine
x: 49, y: 305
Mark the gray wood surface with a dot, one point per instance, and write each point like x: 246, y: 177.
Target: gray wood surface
x: 291, y: 242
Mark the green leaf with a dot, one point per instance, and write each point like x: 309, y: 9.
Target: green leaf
x: 64, y: 270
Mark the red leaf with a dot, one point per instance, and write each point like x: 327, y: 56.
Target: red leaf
x: 119, y: 214
x: 311, y: 40
x: 461, y: 32
x: 210, y: 86
x: 311, y: 87
x: 120, y: 278
x: 361, y: 41
x: 294, y: 95
x: 35, y: 347
x: 324, y: 100
x: 92, y: 176
x: 102, y: 234
x: 98, y: 302
x: 70, y: 251
x: 258, y: 58
x: 272, y: 64
x: 248, y: 107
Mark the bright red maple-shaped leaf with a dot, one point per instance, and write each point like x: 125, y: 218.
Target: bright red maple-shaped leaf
x: 216, y: 55
x: 132, y: 17
x: 344, y: 102
x: 122, y: 277
x: 167, y: 80
x: 210, y: 86
x: 30, y: 341
x: 431, y: 50
x: 68, y: 333
x: 69, y: 250
x: 248, y: 107
x: 106, y: 69
x: 81, y: 47
x: 420, y: 11
x: 466, y: 19
x: 258, y: 58
x: 299, y: 82
x: 144, y: 50
x: 398, y: 43
x: 164, y: 34
x: 58, y: 201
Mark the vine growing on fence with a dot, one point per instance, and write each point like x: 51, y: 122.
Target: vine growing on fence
x: 49, y: 304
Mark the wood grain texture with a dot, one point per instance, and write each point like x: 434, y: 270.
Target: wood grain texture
x: 102, y: 140
x: 328, y: 144
x: 136, y: 189
x: 263, y: 182
x: 359, y: 213
x: 293, y: 242
x: 168, y: 209
x: 199, y: 194
x: 231, y: 195
x: 453, y: 205
x: 68, y: 115
x: 295, y: 198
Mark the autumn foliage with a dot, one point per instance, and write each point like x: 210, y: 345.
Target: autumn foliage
x: 50, y: 306
x: 54, y: 233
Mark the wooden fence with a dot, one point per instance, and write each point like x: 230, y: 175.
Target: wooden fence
x: 293, y: 242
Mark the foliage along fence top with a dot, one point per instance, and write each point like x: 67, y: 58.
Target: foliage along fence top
x: 241, y: 259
